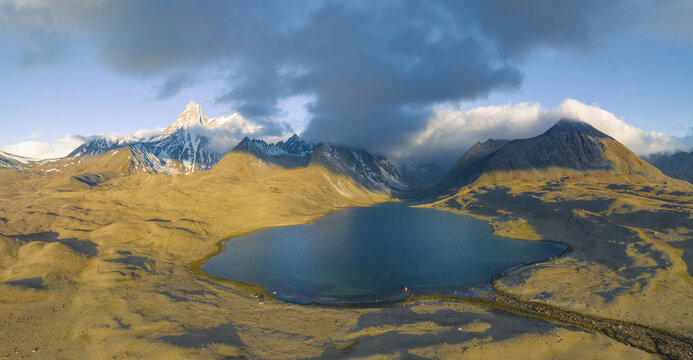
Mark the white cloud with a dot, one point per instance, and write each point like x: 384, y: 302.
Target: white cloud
x: 45, y: 150
x: 639, y: 141
x: 148, y: 133
x: 227, y: 132
x: 452, y: 130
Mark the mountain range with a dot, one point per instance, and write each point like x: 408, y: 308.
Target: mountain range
x: 182, y: 148
x: 678, y: 165
x: 290, y: 154
x: 371, y: 171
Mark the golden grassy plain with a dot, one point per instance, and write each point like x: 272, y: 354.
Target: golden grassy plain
x: 629, y: 235
x: 104, y: 272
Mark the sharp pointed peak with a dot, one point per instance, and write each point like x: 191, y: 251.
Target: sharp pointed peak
x: 191, y: 116
x: 193, y: 107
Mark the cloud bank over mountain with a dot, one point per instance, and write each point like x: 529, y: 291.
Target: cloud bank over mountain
x: 448, y: 132
x: 50, y: 149
x: 453, y: 130
x: 222, y: 133
x: 375, y: 72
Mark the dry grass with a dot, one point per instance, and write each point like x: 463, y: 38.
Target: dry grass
x: 102, y: 273
x: 627, y: 235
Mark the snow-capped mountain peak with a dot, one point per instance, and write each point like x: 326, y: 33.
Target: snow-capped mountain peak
x: 191, y: 116
x: 194, y: 116
x: 188, y: 145
x: 178, y: 149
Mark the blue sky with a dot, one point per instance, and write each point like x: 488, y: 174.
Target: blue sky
x: 362, y: 74
x: 649, y: 83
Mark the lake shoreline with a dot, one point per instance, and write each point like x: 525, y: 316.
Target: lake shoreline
x: 471, y: 227
x: 649, y: 339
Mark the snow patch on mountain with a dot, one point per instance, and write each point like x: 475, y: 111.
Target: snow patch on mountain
x: 17, y: 158
x: 371, y: 171
x: 192, y: 142
x: 12, y: 161
x: 294, y: 152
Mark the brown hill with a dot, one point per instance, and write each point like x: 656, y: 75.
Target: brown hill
x: 568, y: 145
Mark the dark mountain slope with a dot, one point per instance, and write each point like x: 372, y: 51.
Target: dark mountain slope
x: 678, y: 165
x: 371, y: 171
x: 569, y: 144
x: 479, y: 150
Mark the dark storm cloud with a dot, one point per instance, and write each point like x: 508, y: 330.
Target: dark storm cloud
x: 517, y: 27
x: 173, y: 84
x: 373, y: 68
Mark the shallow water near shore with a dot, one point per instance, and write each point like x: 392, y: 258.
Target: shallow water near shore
x: 377, y: 254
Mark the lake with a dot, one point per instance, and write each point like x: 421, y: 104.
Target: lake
x: 364, y: 255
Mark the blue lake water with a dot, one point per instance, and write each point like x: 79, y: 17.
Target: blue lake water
x: 371, y: 254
